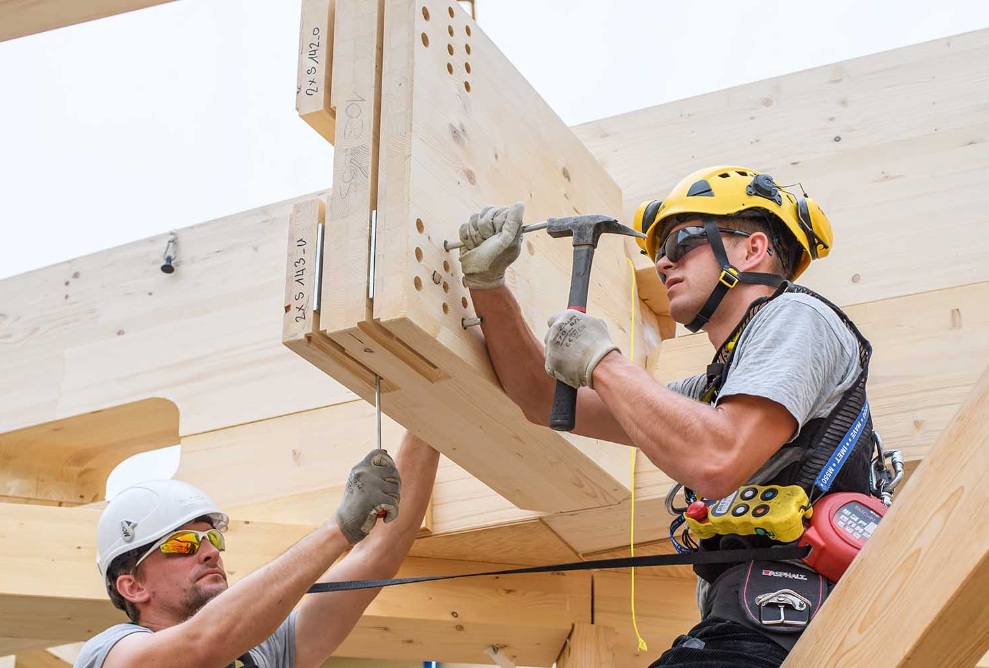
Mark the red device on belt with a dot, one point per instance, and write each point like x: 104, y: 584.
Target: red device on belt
x: 839, y: 528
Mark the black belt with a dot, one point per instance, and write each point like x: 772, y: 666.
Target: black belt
x: 779, y: 553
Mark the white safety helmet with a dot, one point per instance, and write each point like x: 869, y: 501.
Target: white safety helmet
x: 140, y: 515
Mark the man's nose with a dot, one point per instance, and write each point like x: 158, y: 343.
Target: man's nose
x: 207, y: 551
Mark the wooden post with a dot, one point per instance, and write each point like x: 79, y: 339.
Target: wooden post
x: 589, y: 646
x: 916, y: 594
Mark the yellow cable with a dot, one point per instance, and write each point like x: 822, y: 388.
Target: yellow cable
x: 631, y: 544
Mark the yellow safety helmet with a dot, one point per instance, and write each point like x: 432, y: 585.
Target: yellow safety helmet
x: 728, y: 191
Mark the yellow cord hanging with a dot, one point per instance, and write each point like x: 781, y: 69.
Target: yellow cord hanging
x: 631, y: 543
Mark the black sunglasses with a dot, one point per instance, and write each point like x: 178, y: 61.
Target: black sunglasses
x: 679, y: 243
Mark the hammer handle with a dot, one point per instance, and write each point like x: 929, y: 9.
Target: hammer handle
x: 563, y: 415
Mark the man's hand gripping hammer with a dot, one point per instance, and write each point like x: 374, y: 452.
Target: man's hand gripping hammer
x: 585, y: 230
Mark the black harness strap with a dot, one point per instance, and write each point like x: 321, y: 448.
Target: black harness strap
x: 722, y: 557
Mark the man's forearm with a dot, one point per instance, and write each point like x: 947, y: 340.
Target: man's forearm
x: 515, y: 352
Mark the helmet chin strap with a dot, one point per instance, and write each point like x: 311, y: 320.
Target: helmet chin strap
x: 730, y: 277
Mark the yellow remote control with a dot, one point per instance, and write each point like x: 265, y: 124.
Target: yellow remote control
x: 763, y: 510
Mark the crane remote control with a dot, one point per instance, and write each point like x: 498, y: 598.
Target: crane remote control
x: 777, y: 512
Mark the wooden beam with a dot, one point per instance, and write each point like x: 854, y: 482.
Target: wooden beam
x: 67, y: 462
x: 312, y: 93
x: 588, y: 646
x: 437, y: 378
x: 40, y: 658
x: 19, y: 18
x: 110, y: 329
x: 925, y: 571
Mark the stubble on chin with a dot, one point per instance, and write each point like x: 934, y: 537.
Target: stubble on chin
x: 198, y: 597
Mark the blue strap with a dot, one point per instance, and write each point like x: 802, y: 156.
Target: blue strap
x: 830, y: 471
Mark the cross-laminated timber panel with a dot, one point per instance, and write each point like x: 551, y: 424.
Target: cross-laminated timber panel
x: 437, y: 136
x: 894, y: 146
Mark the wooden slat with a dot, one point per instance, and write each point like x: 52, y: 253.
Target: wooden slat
x: 312, y: 94
x: 19, y: 18
x: 924, y: 572
x: 891, y: 145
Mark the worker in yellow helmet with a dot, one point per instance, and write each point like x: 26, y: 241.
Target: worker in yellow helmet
x: 786, y: 386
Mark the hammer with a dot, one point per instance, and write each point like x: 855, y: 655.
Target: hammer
x: 585, y: 230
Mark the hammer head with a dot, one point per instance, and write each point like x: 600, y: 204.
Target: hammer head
x: 586, y: 229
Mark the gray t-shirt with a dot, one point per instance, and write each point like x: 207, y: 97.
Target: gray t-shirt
x: 278, y: 651
x: 797, y: 352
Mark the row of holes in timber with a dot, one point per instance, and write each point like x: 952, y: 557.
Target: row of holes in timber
x: 449, y: 47
x: 437, y: 278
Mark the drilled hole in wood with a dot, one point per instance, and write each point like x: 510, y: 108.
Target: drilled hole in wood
x: 449, y: 49
x: 467, y: 28
x: 425, y: 13
x: 419, y: 254
x: 425, y: 39
x: 449, y: 68
x: 418, y: 283
x: 467, y: 67
x: 449, y: 29
x: 464, y: 281
x: 446, y: 266
x: 446, y: 308
x: 446, y: 286
x: 467, y: 86
x: 467, y: 48
x: 450, y: 9
x: 419, y: 226
x: 463, y: 302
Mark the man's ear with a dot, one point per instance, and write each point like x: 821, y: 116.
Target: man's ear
x: 756, y: 245
x: 132, y: 589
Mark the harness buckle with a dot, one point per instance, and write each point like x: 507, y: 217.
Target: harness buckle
x: 729, y: 277
x: 783, y: 608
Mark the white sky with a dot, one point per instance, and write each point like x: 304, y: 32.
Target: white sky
x: 123, y: 128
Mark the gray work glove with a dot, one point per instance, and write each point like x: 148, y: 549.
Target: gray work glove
x: 373, y: 487
x: 491, y: 241
x: 575, y: 343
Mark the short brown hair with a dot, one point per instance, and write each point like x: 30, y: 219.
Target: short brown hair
x: 787, y: 251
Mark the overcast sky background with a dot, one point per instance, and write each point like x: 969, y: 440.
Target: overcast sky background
x: 126, y: 127
x: 131, y: 126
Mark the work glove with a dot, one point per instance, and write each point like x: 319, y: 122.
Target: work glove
x: 373, y: 487
x: 491, y: 241
x: 575, y: 343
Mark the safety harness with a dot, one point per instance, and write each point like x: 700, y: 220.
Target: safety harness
x: 831, y: 454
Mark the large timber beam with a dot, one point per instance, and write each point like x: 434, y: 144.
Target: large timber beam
x: 19, y: 18
x: 916, y: 595
x: 411, y: 163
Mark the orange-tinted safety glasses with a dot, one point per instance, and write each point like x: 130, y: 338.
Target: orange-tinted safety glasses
x: 185, y: 542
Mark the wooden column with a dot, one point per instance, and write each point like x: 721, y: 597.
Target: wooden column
x: 589, y: 646
x: 916, y: 594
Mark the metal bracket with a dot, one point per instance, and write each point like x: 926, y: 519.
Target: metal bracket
x: 317, y: 290
x: 371, y: 257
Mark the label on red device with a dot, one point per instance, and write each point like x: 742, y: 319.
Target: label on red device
x: 839, y: 528
x: 857, y: 522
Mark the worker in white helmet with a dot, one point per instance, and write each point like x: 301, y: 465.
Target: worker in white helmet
x: 158, y: 551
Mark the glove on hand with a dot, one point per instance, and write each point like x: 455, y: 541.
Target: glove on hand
x: 575, y: 343
x: 373, y: 485
x: 492, y: 241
